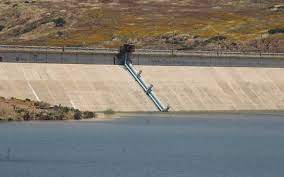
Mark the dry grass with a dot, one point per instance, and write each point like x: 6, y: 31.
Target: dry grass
x: 19, y: 110
x: 108, y: 24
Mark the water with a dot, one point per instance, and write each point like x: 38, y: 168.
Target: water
x: 146, y: 146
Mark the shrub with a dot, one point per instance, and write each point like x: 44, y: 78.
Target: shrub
x: 41, y: 105
x: 28, y: 28
x: 276, y: 30
x: 60, y: 33
x: 77, y: 115
x: 88, y: 115
x: 64, y: 109
x: 1, y: 27
x: 20, y: 110
x: 109, y: 111
x: 27, y: 116
x: 59, y: 22
x: 216, y: 38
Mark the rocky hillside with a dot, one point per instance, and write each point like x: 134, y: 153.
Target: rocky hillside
x: 183, y: 24
x: 25, y: 110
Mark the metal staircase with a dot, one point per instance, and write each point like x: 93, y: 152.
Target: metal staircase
x: 125, y: 52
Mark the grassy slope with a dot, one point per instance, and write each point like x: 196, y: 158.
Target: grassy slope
x: 110, y: 23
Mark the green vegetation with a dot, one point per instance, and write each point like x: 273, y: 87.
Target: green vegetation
x: 29, y: 28
x: 109, y: 111
x: 59, y: 22
x: 216, y: 39
x: 276, y: 31
x: 1, y: 27
x: 60, y: 33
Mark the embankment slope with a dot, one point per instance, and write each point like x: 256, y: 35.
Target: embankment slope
x: 185, y: 88
x: 85, y: 87
x: 217, y: 88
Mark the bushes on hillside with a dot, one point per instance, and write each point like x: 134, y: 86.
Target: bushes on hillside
x: 1, y: 27
x: 276, y: 31
x: 215, y: 39
x: 77, y: 115
x: 59, y: 22
x: 109, y: 111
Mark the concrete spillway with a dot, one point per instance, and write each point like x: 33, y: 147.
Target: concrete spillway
x: 185, y: 88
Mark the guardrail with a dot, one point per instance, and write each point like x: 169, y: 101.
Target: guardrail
x: 140, y: 51
x: 59, y: 49
x: 210, y: 53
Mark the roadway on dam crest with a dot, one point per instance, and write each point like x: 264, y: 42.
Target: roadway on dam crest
x: 184, y: 88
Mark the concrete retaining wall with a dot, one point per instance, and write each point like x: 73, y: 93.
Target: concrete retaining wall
x: 87, y: 87
x: 185, y: 88
x: 179, y: 60
x: 217, y: 88
x: 56, y: 57
x: 139, y: 59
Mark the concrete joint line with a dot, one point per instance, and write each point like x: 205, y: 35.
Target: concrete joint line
x: 72, y: 103
x: 31, y: 87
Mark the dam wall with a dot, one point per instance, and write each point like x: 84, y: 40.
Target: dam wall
x: 190, y: 88
x: 85, y: 87
x: 184, y: 88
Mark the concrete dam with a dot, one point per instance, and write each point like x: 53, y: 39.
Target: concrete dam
x: 98, y: 87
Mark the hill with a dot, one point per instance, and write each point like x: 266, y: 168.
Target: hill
x: 183, y: 24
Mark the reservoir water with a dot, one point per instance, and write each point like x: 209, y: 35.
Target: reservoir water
x: 196, y: 145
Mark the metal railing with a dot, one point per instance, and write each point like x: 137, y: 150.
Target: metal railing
x: 140, y: 51
x: 53, y: 48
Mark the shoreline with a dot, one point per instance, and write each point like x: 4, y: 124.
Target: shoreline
x: 14, y: 109
x: 135, y: 115
x: 17, y: 110
x: 131, y: 115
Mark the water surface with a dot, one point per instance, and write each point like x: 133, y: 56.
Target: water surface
x: 200, y: 145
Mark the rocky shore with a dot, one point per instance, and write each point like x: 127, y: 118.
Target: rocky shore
x: 13, y: 109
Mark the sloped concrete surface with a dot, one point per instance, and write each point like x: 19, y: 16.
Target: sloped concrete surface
x: 185, y: 88
x: 87, y: 87
x: 217, y: 88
